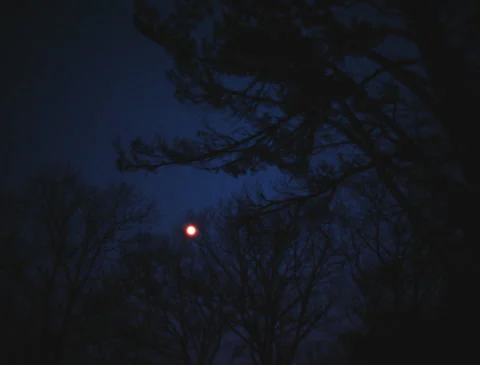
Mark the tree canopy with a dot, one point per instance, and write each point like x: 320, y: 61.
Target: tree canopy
x: 279, y: 70
x: 343, y: 97
x: 365, y: 256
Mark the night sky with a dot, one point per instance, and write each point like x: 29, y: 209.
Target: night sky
x: 77, y: 75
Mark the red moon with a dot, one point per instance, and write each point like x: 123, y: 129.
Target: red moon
x: 191, y: 230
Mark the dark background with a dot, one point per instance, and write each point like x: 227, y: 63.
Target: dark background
x: 77, y: 74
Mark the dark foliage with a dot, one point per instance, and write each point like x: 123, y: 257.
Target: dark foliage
x: 56, y: 250
x: 366, y: 256
x: 280, y: 72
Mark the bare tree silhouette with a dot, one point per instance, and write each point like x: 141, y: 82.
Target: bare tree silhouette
x: 61, y: 235
x: 278, y: 70
x: 277, y: 275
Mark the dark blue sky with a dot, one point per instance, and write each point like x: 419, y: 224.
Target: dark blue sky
x: 77, y: 75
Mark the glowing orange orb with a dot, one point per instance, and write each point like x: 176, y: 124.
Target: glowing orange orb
x: 191, y: 230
